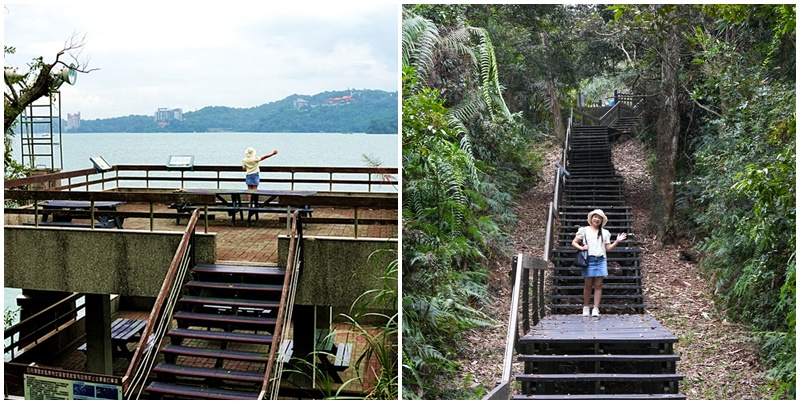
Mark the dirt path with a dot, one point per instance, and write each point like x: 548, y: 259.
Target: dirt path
x: 717, y: 359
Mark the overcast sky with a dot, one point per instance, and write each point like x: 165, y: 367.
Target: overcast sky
x: 191, y: 55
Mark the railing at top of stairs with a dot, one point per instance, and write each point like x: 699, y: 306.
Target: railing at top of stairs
x: 625, y: 106
x: 561, y: 174
x: 293, y: 265
x: 160, y: 319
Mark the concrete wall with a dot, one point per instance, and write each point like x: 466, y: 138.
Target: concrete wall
x: 337, y: 270
x: 128, y: 263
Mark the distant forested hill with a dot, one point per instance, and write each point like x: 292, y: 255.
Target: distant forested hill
x: 358, y: 111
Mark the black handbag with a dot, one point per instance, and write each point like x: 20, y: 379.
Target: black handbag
x: 581, y: 259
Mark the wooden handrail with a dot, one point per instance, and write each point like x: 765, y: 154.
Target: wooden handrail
x: 178, y: 265
x: 521, y: 267
x: 24, y: 324
x: 287, y: 300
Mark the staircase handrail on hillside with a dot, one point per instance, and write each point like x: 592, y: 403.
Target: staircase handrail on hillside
x: 561, y: 173
x: 528, y: 274
x: 160, y: 319
x: 285, y: 310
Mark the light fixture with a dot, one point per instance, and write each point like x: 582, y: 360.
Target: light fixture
x: 180, y: 162
x: 100, y: 164
x: 66, y: 75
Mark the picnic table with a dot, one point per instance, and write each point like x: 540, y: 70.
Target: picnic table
x: 70, y: 207
x: 252, y: 201
x: 123, y: 331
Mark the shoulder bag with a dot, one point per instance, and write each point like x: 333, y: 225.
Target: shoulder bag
x: 582, y: 257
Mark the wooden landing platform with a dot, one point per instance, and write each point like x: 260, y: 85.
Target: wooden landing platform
x: 609, y: 328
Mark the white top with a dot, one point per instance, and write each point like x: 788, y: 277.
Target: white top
x: 597, y: 247
x: 251, y: 164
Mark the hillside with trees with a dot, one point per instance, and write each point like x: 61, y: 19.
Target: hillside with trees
x: 488, y: 88
x: 358, y: 111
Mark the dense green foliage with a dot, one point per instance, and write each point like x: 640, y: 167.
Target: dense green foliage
x: 735, y: 169
x: 465, y: 158
x: 742, y: 181
x: 737, y: 192
x: 370, y: 111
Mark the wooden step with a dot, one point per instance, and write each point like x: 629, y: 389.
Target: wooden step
x: 232, y: 302
x: 181, y: 333
x: 579, y: 307
x: 199, y: 392
x: 239, y: 270
x: 554, y: 258
x: 229, y: 286
x: 599, y: 397
x: 598, y: 358
x: 609, y: 278
x: 616, y: 251
x: 605, y: 296
x: 593, y: 201
x: 605, y: 287
x: 226, y: 322
x: 598, y: 377
x: 209, y: 373
x: 228, y: 354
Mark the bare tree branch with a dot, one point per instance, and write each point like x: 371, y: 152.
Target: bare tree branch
x: 43, y: 82
x: 699, y: 104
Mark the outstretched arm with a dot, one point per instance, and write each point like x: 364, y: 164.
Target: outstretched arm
x: 266, y: 156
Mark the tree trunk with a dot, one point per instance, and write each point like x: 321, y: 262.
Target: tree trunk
x: 668, y: 133
x: 13, y: 107
x: 555, y: 106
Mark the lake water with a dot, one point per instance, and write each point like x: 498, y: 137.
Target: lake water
x: 294, y: 149
x: 224, y: 148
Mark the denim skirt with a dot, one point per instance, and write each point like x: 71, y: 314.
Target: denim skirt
x: 597, y: 267
x: 252, y: 179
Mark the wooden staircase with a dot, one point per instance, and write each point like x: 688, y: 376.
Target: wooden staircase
x: 225, y: 324
x: 623, y: 354
x: 593, y: 183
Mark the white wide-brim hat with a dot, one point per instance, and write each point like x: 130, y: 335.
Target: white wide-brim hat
x: 597, y: 212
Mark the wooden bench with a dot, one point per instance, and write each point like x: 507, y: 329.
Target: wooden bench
x: 97, y: 225
x: 123, y: 331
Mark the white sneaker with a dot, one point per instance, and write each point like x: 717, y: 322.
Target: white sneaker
x: 595, y: 312
x: 586, y: 311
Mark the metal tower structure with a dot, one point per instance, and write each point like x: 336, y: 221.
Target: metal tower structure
x: 40, y: 133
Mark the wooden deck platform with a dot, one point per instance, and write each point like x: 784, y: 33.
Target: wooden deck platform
x: 606, y: 328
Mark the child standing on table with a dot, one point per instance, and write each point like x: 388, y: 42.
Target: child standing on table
x: 597, y: 241
x: 250, y: 165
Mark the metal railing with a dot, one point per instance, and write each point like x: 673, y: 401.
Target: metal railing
x: 30, y: 331
x: 271, y: 384
x: 346, y: 179
x: 160, y: 319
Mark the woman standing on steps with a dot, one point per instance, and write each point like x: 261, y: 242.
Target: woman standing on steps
x: 597, y: 242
